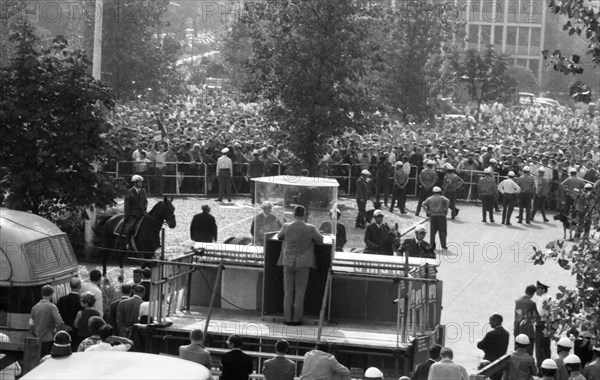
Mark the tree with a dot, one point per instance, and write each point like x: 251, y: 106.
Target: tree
x: 486, y: 75
x: 138, y: 58
x: 308, y: 58
x: 411, y: 44
x: 52, y: 115
x: 583, y: 18
x: 524, y: 78
x: 577, y: 308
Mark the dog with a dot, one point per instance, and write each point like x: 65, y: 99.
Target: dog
x: 369, y: 213
x: 569, y: 223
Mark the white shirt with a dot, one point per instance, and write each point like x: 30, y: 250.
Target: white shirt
x: 508, y: 186
x: 539, y: 303
x: 224, y: 162
x: 103, y: 346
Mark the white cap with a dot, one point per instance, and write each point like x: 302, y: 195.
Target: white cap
x: 526, y: 169
x: 420, y: 228
x: 572, y: 170
x: 565, y: 342
x: 430, y: 162
x: 373, y: 373
x: 549, y: 364
x: 399, y: 163
x: 588, y: 186
x: 511, y: 173
x: 378, y: 213
x: 255, y: 152
x: 225, y: 150
x: 487, y: 171
x: 365, y: 172
x: 449, y: 167
x: 136, y: 178
x: 493, y: 161
x: 522, y: 339
x: 437, y: 189
x: 541, y: 170
x: 572, y: 359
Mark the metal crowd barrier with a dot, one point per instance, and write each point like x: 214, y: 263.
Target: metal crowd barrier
x: 184, y: 178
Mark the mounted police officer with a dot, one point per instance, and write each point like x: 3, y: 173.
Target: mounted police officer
x: 135, y: 206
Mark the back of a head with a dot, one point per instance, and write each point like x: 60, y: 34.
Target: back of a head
x: 105, y: 332
x: 530, y: 290
x: 196, y: 335
x: 75, y: 283
x: 323, y: 346
x: 497, y: 317
x: 126, y: 289
x: 94, y: 325
x: 147, y: 273
x: 299, y: 212
x: 446, y: 352
x: 434, y: 351
x: 47, y: 291
x: 139, y: 290
x: 95, y: 275
x: 62, y: 337
x: 282, y: 346
x: 235, y: 340
x: 88, y: 299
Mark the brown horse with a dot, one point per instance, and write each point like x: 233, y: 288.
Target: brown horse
x: 147, y: 238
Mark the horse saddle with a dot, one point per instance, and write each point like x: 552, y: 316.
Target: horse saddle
x: 119, y: 231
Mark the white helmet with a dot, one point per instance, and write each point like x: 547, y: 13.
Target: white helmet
x: 572, y: 359
x: 136, y: 178
x: 549, y: 364
x: 565, y: 342
x: 373, y: 373
x: 522, y: 339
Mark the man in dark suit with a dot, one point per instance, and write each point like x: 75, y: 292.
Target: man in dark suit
x: 362, y: 195
x: 417, y: 246
x: 495, y: 342
x: 112, y: 312
x: 204, y: 226
x: 135, y: 206
x: 422, y: 370
x: 263, y: 223
x: 128, y: 311
x: 195, y: 351
x: 378, y: 236
x: 255, y: 170
x: 68, y: 307
x: 525, y: 315
x: 146, y: 283
x: 280, y: 368
x: 236, y: 364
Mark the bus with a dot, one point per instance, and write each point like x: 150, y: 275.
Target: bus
x: 33, y: 252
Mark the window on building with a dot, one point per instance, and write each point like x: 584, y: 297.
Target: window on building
x: 486, y: 35
x: 537, y: 10
x: 498, y: 35
x: 475, y: 10
x: 521, y: 62
x: 513, y: 11
x: 462, y: 8
x: 511, y: 39
x: 474, y: 34
x: 523, y: 41
x: 536, y: 41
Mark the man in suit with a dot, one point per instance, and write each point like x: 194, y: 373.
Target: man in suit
x: 263, y: 223
x: 495, y: 342
x: 195, y: 351
x: 236, y: 364
x: 135, y: 206
x: 362, y: 195
x: 255, y: 170
x: 320, y: 364
x: 68, y: 307
x: 146, y: 283
x: 297, y: 257
x: 417, y: 246
x: 128, y: 311
x: 204, y: 226
x: 422, y: 370
x: 525, y: 315
x: 112, y: 313
x: 446, y: 369
x: 279, y: 368
x: 378, y: 236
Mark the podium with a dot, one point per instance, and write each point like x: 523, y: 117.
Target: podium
x: 273, y: 279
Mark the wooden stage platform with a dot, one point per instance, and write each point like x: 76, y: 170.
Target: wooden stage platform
x: 248, y: 324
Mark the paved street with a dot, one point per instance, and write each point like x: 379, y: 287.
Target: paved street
x: 486, y: 268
